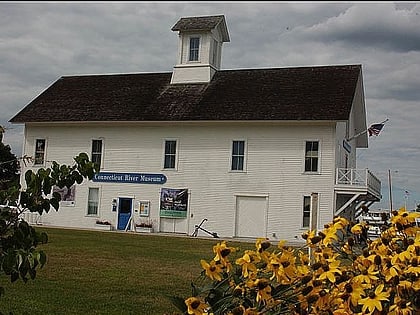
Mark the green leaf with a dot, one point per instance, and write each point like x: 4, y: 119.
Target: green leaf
x: 55, y: 203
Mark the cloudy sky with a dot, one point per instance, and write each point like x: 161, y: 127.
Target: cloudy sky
x: 42, y: 41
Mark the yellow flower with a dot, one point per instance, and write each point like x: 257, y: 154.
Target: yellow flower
x: 276, y: 267
x: 213, y: 269
x: 403, y: 256
x: 330, y: 270
x: 358, y: 228
x: 262, y: 244
x: 196, y: 306
x: 373, y: 300
x: 264, y: 291
x: 400, y: 307
x: 340, y: 222
x: 329, y: 235
x: 354, y: 290
x: 222, y: 251
x: 247, y: 262
x: 367, y: 275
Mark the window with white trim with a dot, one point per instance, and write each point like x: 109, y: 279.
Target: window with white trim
x: 311, y: 156
x: 306, y: 215
x: 93, y: 201
x: 170, y: 154
x: 40, y: 145
x: 238, y: 155
x: 194, y: 48
x: 97, y: 152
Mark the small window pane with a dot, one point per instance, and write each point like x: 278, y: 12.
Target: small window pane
x: 238, y: 155
x: 306, y: 211
x: 170, y: 154
x: 194, y: 48
x: 93, y: 200
x: 39, y: 151
x: 97, y: 152
x: 311, y: 156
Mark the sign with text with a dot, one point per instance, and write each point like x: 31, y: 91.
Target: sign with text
x: 173, y: 203
x: 134, y: 178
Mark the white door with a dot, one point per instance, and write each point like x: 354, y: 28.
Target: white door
x: 170, y: 225
x: 251, y: 214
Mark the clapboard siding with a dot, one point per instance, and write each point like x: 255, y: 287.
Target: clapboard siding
x: 274, y: 167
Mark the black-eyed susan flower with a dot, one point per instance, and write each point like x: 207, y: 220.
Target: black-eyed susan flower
x: 262, y: 244
x: 367, y: 275
x: 401, y: 307
x: 222, y: 252
x: 263, y: 291
x: 213, y: 269
x: 195, y: 306
x: 358, y: 228
x: 247, y: 263
x: 330, y: 270
x: 354, y: 290
x: 374, y: 300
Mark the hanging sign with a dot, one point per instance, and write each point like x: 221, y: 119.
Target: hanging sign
x: 347, y: 146
x: 135, y: 178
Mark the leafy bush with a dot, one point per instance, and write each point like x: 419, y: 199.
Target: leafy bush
x: 335, y: 272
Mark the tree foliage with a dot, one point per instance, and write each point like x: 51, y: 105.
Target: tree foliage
x: 9, y: 170
x: 19, y: 256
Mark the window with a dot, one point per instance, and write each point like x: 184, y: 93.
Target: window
x: 238, y: 155
x: 311, y: 156
x: 39, y: 152
x: 194, y: 48
x: 170, y: 154
x: 97, y: 152
x: 306, y: 211
x: 93, y: 200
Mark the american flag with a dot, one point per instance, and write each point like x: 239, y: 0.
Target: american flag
x: 375, y: 129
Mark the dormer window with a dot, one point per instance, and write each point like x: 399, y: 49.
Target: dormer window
x: 194, y: 48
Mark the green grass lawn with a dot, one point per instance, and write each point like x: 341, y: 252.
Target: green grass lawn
x: 96, y: 272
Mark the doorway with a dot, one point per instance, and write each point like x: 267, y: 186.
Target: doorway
x: 251, y: 212
x: 125, y: 206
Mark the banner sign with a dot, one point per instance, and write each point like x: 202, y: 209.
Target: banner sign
x: 173, y: 203
x: 135, y: 178
x: 68, y: 195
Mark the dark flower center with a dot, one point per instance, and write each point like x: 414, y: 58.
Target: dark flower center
x: 224, y: 252
x: 195, y: 304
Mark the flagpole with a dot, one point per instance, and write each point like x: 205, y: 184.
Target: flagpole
x: 360, y: 133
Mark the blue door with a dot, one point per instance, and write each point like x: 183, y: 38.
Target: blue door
x: 124, y: 212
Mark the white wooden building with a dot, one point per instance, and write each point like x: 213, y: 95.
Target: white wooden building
x: 257, y: 152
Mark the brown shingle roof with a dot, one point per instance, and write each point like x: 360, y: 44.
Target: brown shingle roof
x: 302, y: 93
x: 198, y: 23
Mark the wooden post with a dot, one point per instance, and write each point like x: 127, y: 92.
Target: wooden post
x: 313, y: 223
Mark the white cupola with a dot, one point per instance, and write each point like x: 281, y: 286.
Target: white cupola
x: 199, y: 48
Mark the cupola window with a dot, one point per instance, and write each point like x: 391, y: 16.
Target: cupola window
x: 194, y: 48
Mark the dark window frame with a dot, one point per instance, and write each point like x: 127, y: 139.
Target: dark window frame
x: 238, y: 155
x: 170, y: 154
x: 312, y: 156
x: 40, y: 150
x: 194, y: 49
